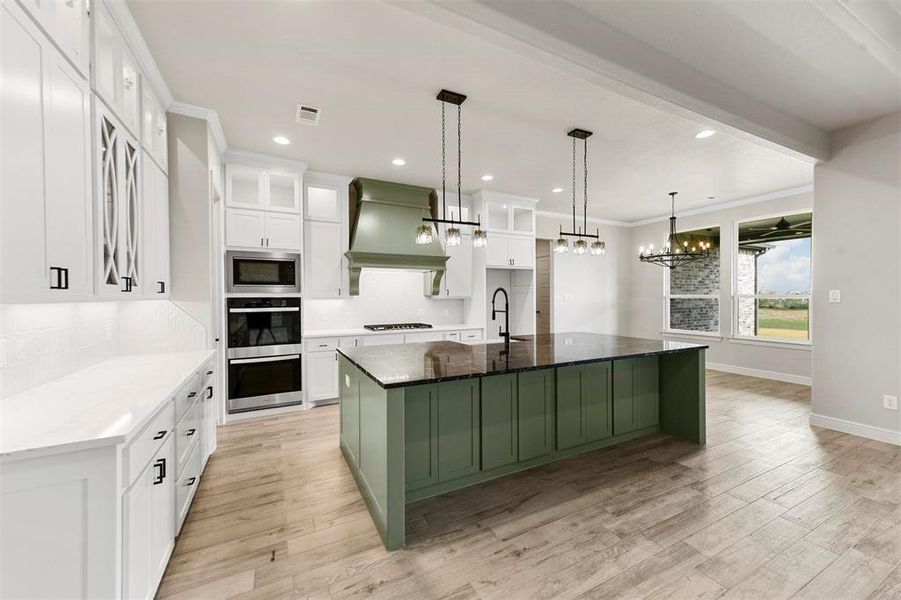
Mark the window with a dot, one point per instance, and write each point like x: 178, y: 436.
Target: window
x: 693, y: 289
x: 772, y: 278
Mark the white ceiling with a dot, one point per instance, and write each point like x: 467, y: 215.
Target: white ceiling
x: 829, y: 63
x: 374, y: 70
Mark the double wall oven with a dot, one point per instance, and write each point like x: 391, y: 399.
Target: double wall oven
x: 264, y: 353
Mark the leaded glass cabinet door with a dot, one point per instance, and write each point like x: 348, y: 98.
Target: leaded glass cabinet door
x: 132, y: 260
x: 109, y: 189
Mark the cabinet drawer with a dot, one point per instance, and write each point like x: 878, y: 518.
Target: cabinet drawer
x: 187, y: 395
x: 185, y: 487
x: 471, y: 336
x: 141, y: 449
x: 187, y: 431
x: 322, y: 344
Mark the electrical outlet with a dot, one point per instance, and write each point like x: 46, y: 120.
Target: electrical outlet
x: 890, y: 402
x: 835, y: 296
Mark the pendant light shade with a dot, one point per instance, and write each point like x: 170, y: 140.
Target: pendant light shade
x: 424, y: 234
x: 580, y: 247
x: 479, y: 238
x: 598, y: 248
x: 561, y: 246
x: 452, y: 236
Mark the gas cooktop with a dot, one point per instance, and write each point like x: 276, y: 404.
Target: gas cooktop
x: 396, y: 326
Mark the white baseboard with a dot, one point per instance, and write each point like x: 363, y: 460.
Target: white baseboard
x: 868, y: 431
x: 775, y: 375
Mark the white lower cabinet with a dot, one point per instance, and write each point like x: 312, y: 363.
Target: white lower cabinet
x: 45, y: 183
x: 322, y: 376
x: 149, y: 525
x: 100, y: 521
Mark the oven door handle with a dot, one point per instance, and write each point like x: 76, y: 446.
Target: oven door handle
x: 265, y: 310
x: 244, y: 361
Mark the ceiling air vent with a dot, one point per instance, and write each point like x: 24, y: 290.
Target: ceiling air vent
x: 307, y: 115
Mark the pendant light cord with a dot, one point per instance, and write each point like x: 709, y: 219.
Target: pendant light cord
x: 585, y: 187
x: 443, y: 166
x: 574, y: 185
x: 459, y: 162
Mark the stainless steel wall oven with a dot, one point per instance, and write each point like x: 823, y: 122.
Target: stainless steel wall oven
x: 264, y: 353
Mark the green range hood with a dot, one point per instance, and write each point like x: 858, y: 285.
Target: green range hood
x: 384, y: 217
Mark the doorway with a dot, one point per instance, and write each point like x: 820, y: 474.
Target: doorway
x: 543, y: 266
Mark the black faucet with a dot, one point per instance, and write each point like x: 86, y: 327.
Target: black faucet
x: 505, y: 333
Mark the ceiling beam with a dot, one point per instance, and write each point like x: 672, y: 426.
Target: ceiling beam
x: 561, y: 35
x: 871, y: 25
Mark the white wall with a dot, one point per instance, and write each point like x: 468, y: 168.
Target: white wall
x: 856, y: 357
x: 42, y: 342
x: 645, y: 292
x: 588, y: 292
x: 386, y: 296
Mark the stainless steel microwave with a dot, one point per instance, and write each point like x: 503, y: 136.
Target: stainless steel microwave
x: 262, y: 272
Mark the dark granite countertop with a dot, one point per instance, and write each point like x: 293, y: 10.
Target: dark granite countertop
x: 399, y: 365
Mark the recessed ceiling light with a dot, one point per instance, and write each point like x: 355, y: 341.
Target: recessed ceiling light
x: 282, y: 140
x: 398, y: 162
x: 557, y: 190
x: 705, y: 134
x: 487, y: 177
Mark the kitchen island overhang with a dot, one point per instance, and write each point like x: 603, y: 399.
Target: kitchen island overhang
x: 418, y: 420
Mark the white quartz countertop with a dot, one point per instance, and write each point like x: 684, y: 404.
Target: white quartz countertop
x: 320, y: 333
x: 103, y: 404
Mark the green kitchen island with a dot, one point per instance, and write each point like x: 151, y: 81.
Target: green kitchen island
x: 419, y: 420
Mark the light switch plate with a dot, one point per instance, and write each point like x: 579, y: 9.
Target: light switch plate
x: 835, y: 296
x: 890, y: 402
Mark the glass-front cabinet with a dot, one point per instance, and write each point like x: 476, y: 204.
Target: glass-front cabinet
x: 262, y: 189
x: 508, y: 214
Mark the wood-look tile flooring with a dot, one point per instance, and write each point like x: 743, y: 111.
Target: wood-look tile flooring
x: 770, y: 508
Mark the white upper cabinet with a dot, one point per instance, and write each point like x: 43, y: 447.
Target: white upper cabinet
x: 323, y: 260
x: 45, y: 214
x: 116, y: 76
x: 153, y: 127
x: 156, y: 231
x: 505, y: 213
x: 120, y: 217
x: 321, y: 203
x: 262, y: 189
x: 67, y: 22
x: 510, y: 251
x: 457, y: 281
x: 259, y: 229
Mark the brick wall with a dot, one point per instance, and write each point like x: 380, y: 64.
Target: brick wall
x: 746, y: 283
x: 697, y: 277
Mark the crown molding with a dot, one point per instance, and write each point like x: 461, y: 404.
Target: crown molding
x: 567, y: 217
x: 122, y: 16
x: 729, y: 204
x: 207, y: 114
x: 503, y: 197
x: 258, y: 159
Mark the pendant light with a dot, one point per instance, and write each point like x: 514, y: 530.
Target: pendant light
x: 580, y: 246
x: 675, y: 251
x: 452, y: 233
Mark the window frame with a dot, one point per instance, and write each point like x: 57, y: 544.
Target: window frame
x: 667, y: 330
x: 736, y: 297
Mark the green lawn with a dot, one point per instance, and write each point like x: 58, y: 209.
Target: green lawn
x: 783, y: 323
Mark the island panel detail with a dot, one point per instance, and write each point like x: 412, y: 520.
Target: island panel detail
x: 406, y: 443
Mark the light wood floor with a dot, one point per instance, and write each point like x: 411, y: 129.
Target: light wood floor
x: 770, y: 508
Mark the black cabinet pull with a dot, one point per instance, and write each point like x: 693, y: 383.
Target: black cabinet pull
x: 162, y: 285
x: 160, y: 434
x: 190, y: 432
x: 190, y: 481
x: 128, y: 284
x: 62, y: 278
x: 160, y: 465
x: 209, y: 372
x: 192, y: 394
x: 209, y: 392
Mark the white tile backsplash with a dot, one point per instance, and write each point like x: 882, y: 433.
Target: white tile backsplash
x: 386, y: 296
x: 42, y: 342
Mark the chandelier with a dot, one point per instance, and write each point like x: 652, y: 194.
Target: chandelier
x: 452, y: 233
x: 581, y: 245
x: 675, y: 250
